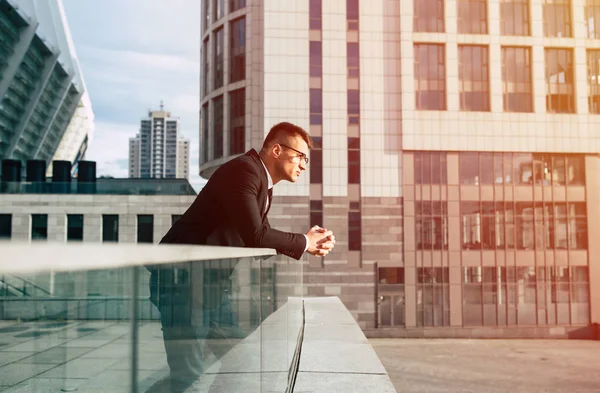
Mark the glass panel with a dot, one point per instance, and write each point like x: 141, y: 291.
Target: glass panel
x: 516, y: 79
x: 557, y: 18
x: 514, y: 17
x: 429, y: 16
x: 469, y: 168
x: 592, y: 18
x: 315, y: 14
x: 593, y: 66
x: 473, y: 78
x: 237, y: 60
x: 385, y: 311
x: 75, y: 227
x: 560, y: 93
x: 430, y: 77
x: 487, y: 168
x: 575, y: 170
x: 145, y: 228
x: 218, y: 49
x: 472, y: 16
x: 5, y: 226
x: 39, y: 226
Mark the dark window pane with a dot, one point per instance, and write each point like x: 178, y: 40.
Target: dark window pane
x: 316, y: 166
x: 486, y: 161
x: 316, y: 106
x: 353, y: 167
x: 39, y: 226
x: 5, y: 226
x: 429, y: 16
x: 218, y: 49
x: 237, y: 61
x: 418, y: 167
x: 316, y: 205
x: 391, y: 275
x: 74, y: 227
x: 469, y: 168
x: 472, y: 16
x: 557, y: 18
x: 237, y: 111
x: 316, y: 218
x: 354, y: 231
x: 235, y: 5
x: 514, y: 17
x: 560, y: 90
x: 516, y: 79
x: 218, y: 9
x: 205, y: 133
x: 353, y: 59
x: 316, y: 58
x: 435, y: 168
x: 575, y: 170
x: 145, y: 228
x: 352, y: 9
x: 110, y: 228
x: 426, y: 168
x: 218, y: 130
x: 593, y: 66
x: 354, y: 205
x: 353, y: 143
x: 473, y: 69
x: 175, y: 218
x: 430, y: 77
x: 315, y: 14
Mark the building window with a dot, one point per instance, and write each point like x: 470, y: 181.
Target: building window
x: 205, y: 71
x: 316, y: 161
x: 473, y: 71
x: 514, y: 17
x: 205, y: 132
x: 316, y: 59
x: 353, y: 106
x: 354, y: 231
x: 577, y: 230
x: 237, y: 113
x: 517, y: 93
x: 353, y: 160
x: 593, y: 61
x: 75, y: 227
x: 592, y: 18
x: 431, y: 225
x: 205, y: 5
x: 315, y: 13
x: 392, y: 298
x: 430, y: 77
x: 218, y: 9
x: 110, y: 227
x: 219, y: 58
x: 433, y: 296
x: 430, y: 168
x: 352, y: 12
x: 5, y: 226
x: 316, y: 106
x: 557, y: 18
x: 482, y: 226
x: 145, y: 228
x: 560, y: 89
x: 353, y: 59
x: 39, y: 226
x: 235, y: 5
x: 429, y: 16
x: 316, y: 213
x: 218, y: 130
x: 472, y: 16
x: 237, y: 60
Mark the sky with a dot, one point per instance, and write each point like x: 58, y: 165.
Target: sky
x: 133, y: 55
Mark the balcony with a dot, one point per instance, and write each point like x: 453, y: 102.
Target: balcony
x: 147, y: 318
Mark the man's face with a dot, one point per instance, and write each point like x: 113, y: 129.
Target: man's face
x: 292, y: 158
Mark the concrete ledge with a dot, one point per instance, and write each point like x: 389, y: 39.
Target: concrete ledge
x: 336, y: 356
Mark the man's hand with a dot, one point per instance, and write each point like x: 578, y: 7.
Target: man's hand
x: 320, y: 241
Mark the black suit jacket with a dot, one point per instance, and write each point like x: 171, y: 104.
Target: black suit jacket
x: 230, y: 211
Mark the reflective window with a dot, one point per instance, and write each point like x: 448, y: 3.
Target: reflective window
x: 5, y: 226
x: 205, y: 69
x: 517, y: 90
x: 205, y: 132
x: 429, y: 16
x: 575, y: 170
x: 145, y: 228
x: 218, y: 58
x: 316, y: 162
x: 469, y: 168
x: 75, y: 227
x: 593, y: 72
x: 352, y: 12
x: 473, y: 71
x: 391, y: 275
x: 430, y: 77
x: 353, y: 106
x: 430, y: 168
x: 433, y: 296
x: 316, y: 58
x: 218, y: 127
x: 218, y: 9
x: 110, y: 227
x: 315, y: 14
x: 431, y: 225
x: 577, y: 229
x: 237, y: 60
x: 235, y: 5
x: 557, y: 18
x: 354, y: 231
x: 206, y: 13
x: 353, y: 59
x: 39, y: 226
x: 514, y: 17
x: 560, y: 90
x: 316, y: 106
x: 472, y: 16
x: 237, y: 113
x: 592, y: 18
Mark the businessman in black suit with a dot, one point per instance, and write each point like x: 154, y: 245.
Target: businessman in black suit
x: 231, y: 210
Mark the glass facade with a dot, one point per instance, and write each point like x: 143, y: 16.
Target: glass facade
x: 472, y: 16
x: 557, y: 18
x: 431, y: 225
x: 429, y: 16
x: 514, y: 17
x: 430, y: 168
x: 560, y: 89
x: 237, y: 114
x: 430, y: 77
x: 237, y: 57
x: 517, y: 89
x: 473, y: 70
x: 219, y: 59
x: 433, y: 296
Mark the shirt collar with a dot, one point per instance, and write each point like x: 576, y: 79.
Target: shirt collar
x: 268, y: 174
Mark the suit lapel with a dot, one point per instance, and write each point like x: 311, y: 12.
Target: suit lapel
x: 264, y: 184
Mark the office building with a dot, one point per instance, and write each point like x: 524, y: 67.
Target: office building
x: 456, y: 152
x: 45, y: 111
x: 158, y: 150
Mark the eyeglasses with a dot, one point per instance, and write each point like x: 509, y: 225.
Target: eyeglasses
x: 301, y: 155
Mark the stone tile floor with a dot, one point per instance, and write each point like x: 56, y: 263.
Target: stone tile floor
x: 90, y: 356
x: 491, y: 366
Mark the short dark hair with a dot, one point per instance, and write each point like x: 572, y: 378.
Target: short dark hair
x: 285, y: 129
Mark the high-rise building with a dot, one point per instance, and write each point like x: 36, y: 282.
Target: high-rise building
x: 45, y: 111
x: 158, y: 151
x: 456, y: 152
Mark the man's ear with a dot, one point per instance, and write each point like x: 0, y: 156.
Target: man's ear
x: 276, y: 150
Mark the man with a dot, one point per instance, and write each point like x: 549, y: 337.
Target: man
x: 231, y: 210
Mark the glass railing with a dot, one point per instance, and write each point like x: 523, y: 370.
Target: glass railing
x: 147, y: 318
x: 102, y: 186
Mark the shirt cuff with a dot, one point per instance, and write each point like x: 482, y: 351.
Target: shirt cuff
x: 306, y: 248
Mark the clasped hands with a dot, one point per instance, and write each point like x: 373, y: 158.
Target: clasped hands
x: 320, y: 241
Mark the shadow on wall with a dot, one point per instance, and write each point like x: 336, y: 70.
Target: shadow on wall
x: 586, y: 333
